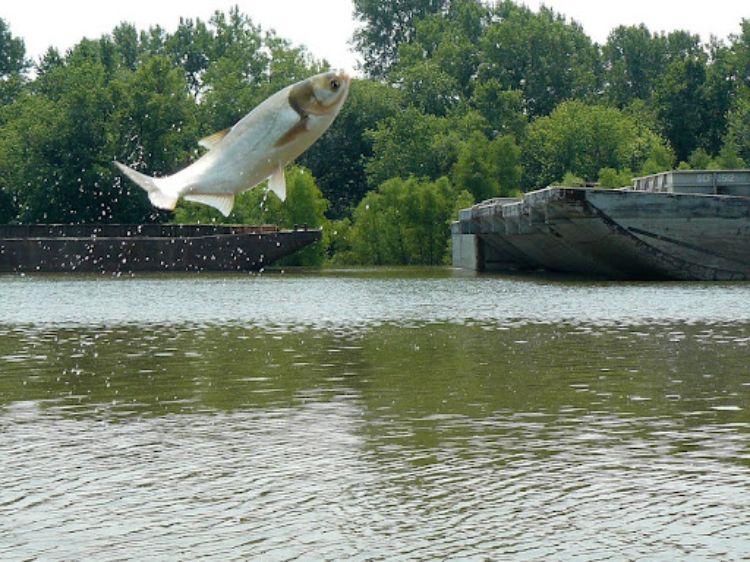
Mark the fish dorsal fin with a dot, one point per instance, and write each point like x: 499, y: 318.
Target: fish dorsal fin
x: 277, y: 182
x: 223, y: 202
x: 212, y: 140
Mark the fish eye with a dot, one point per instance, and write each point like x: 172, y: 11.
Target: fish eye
x: 335, y: 84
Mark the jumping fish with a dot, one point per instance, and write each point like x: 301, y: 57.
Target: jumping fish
x: 255, y: 148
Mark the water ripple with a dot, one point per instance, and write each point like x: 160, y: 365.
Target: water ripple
x: 410, y: 419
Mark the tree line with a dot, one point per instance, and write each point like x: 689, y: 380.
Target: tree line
x: 460, y: 101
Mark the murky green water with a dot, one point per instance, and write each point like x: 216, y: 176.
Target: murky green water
x: 384, y: 415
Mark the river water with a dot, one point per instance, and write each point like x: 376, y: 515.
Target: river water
x: 406, y: 414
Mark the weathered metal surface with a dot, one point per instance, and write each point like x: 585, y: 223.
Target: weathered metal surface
x: 654, y: 232
x: 130, y: 248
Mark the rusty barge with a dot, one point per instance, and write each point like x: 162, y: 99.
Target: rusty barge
x: 105, y: 248
x: 678, y: 225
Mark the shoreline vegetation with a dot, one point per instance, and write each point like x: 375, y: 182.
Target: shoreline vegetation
x: 457, y: 102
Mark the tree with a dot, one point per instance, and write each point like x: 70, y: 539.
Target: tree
x: 740, y: 47
x: 428, y: 88
x: 503, y: 109
x: 474, y: 171
x: 245, y: 67
x: 488, y: 168
x: 737, y: 139
x: 720, y: 89
x: 403, y: 222
x: 403, y: 145
x: 53, y: 147
x: 634, y: 59
x: 547, y: 58
x: 446, y: 41
x: 701, y: 160
x: 418, y: 144
x: 386, y: 26
x: 155, y: 118
x: 237, y: 70
x: 612, y: 179
x: 679, y: 99
x: 304, y: 206
x: 659, y: 158
x: 190, y: 46
x: 13, y: 63
x: 584, y: 139
x: 12, y: 52
x: 127, y: 46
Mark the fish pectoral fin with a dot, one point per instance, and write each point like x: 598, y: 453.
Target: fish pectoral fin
x: 212, y: 140
x: 297, y: 129
x: 277, y: 182
x: 223, y: 202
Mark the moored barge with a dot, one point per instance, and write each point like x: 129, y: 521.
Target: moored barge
x: 146, y: 247
x: 678, y: 225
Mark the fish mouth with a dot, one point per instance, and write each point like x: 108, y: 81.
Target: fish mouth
x: 344, y: 76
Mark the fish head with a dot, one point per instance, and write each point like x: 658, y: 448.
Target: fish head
x: 316, y: 101
x: 331, y: 89
x: 322, y: 94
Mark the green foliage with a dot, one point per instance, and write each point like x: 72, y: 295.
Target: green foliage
x: 701, y: 160
x: 719, y: 92
x: 337, y: 235
x: 610, y: 178
x: 547, y: 58
x: 407, y: 144
x: 679, y: 99
x: 428, y: 87
x: 304, y: 206
x: 660, y: 157
x: 403, y: 222
x: 503, y: 109
x: 12, y: 52
x: 13, y: 64
x: 729, y: 157
x: 488, y: 168
x: 386, y: 25
x: 55, y: 149
x: 155, y: 120
x: 569, y: 179
x: 737, y: 139
x: 635, y: 58
x: 583, y: 139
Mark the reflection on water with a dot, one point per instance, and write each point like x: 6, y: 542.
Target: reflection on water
x: 403, y: 414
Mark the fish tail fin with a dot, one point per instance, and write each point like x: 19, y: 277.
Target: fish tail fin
x: 158, y: 196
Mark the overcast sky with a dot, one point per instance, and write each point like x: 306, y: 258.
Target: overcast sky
x: 326, y: 26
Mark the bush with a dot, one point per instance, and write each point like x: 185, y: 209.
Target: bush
x: 404, y: 222
x: 613, y: 179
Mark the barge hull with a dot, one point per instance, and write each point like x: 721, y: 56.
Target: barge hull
x: 616, y: 234
x: 136, y: 248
